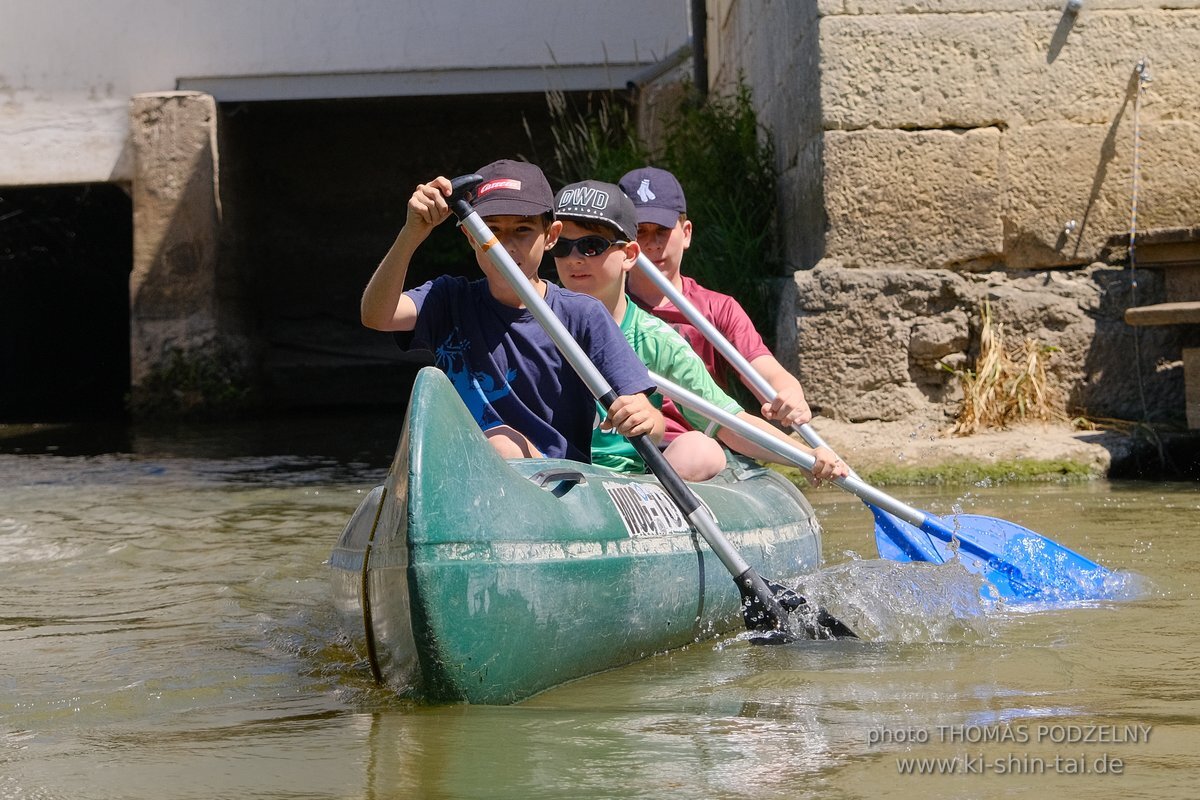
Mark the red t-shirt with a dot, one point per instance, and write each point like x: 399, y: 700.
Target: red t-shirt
x: 728, y: 317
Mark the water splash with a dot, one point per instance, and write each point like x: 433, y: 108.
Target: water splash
x: 904, y: 602
x: 919, y: 602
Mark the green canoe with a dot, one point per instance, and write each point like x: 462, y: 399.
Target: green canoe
x: 465, y: 577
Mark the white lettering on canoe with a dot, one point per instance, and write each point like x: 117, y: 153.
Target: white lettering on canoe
x: 646, y: 509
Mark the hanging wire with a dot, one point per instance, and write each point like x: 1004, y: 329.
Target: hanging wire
x: 1143, y: 74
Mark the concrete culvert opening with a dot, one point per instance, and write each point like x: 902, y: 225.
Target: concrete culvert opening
x: 313, y: 194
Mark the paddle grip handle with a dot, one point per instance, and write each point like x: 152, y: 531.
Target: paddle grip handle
x: 462, y: 193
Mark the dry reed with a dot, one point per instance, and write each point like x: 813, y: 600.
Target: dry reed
x: 1008, y: 384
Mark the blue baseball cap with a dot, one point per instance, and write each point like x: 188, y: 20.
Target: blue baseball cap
x: 657, y: 196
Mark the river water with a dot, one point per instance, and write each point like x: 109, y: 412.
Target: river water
x: 166, y: 632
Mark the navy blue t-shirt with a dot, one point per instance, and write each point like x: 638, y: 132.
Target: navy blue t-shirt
x: 508, y: 371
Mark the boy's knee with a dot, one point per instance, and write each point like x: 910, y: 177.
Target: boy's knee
x: 695, y: 456
x: 511, y: 444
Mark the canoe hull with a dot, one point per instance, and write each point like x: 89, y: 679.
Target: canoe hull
x: 468, y: 578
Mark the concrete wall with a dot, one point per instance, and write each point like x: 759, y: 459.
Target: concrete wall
x: 180, y: 299
x: 970, y: 136
x: 69, y: 67
x: 775, y: 46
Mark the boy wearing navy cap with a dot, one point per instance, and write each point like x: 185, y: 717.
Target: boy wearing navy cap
x: 595, y: 252
x: 522, y: 392
x: 664, y: 233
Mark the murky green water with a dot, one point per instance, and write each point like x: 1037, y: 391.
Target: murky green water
x: 165, y: 632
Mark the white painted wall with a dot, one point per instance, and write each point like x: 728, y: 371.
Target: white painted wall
x: 69, y: 67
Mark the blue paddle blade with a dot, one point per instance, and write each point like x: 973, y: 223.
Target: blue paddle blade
x: 1018, y: 564
x: 896, y: 540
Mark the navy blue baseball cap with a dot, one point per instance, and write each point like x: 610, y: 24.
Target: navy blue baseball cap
x: 657, y: 196
x: 513, y: 188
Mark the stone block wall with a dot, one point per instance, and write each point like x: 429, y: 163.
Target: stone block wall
x: 875, y: 343
x: 952, y: 145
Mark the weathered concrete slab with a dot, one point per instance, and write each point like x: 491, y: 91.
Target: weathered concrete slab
x: 1183, y: 313
x: 928, y: 198
x: 1054, y: 174
x: 181, y: 305
x: 985, y: 197
x: 846, y: 334
x: 968, y: 70
x: 71, y: 140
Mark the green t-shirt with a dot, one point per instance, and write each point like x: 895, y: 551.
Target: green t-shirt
x: 664, y: 351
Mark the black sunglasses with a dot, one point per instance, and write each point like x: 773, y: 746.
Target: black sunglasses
x: 587, y: 246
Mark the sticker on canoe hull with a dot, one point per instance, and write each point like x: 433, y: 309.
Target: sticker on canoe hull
x: 646, y: 509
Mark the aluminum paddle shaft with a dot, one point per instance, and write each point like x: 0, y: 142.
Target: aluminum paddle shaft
x: 765, y: 392
x: 788, y: 453
x: 1017, y: 562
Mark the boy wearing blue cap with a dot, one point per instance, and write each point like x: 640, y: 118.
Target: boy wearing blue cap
x: 595, y: 252
x: 664, y: 233
x: 522, y: 392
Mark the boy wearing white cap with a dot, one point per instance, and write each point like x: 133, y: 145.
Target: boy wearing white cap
x: 664, y: 233
x: 595, y: 252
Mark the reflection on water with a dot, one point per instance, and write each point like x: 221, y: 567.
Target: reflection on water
x: 165, y: 630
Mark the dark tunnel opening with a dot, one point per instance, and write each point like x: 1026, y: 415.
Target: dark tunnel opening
x: 65, y: 259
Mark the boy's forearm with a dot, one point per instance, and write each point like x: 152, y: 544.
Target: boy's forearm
x: 658, y: 423
x: 789, y: 407
x: 382, y: 299
x: 746, y: 447
x: 774, y: 373
x: 660, y: 429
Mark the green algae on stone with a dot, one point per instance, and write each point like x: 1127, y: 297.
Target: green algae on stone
x: 967, y: 472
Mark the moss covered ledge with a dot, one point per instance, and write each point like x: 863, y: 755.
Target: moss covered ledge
x: 926, y: 453
x: 967, y: 472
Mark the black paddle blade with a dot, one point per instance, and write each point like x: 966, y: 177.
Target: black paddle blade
x: 825, y: 626
x: 768, y: 615
x: 761, y: 611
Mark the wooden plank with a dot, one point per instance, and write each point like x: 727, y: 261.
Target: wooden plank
x: 1187, y: 313
x: 1191, y: 384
